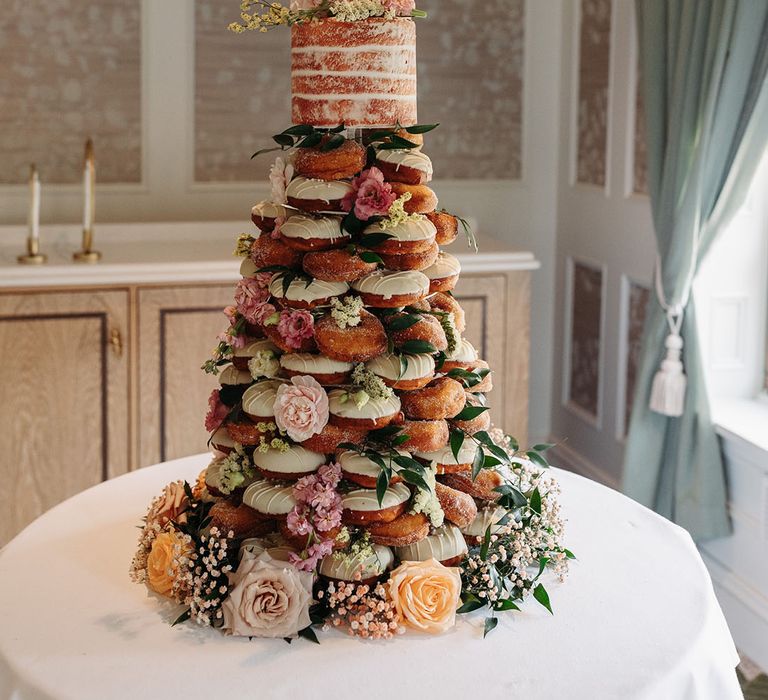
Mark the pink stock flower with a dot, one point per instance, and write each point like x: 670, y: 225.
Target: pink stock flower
x: 301, y: 408
x: 330, y: 473
x: 304, y: 488
x: 217, y: 412
x: 237, y: 341
x: 295, y: 326
x: 314, y: 554
x: 403, y: 8
x: 275, y: 232
x: 327, y: 520
x: 249, y: 296
x: 370, y: 195
x: 324, y: 497
x: 297, y: 521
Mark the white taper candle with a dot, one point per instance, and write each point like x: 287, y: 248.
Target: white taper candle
x: 34, y: 207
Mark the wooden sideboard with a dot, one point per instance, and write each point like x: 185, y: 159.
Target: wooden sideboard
x: 102, y: 378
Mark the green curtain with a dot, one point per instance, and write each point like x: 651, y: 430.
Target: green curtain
x: 704, y: 68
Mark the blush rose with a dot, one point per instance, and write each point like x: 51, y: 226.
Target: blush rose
x: 301, y: 408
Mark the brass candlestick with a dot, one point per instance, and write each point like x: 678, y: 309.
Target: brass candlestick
x: 87, y: 254
x: 33, y: 255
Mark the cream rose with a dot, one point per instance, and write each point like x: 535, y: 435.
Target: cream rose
x: 425, y: 595
x: 267, y: 598
x: 301, y: 408
x: 172, y: 504
x: 162, y: 562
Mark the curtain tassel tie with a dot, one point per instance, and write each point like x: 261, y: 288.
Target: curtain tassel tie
x: 669, y: 384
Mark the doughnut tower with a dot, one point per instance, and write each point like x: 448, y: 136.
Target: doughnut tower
x: 346, y: 345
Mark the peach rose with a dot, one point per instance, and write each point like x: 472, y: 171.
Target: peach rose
x: 267, y: 598
x: 425, y: 595
x: 162, y: 562
x: 172, y: 504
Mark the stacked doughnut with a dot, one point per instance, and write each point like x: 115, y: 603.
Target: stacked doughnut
x: 387, y: 349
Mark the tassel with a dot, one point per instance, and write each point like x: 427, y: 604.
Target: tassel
x: 669, y: 384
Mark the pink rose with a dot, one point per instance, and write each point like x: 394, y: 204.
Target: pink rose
x: 370, y: 195
x: 301, y: 408
x: 217, y: 412
x: 295, y: 326
x: 267, y: 598
x: 249, y: 296
x: 403, y: 8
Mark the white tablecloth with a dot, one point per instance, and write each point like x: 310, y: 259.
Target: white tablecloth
x: 637, y: 618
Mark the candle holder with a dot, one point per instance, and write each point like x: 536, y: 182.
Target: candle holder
x: 87, y: 254
x: 33, y: 255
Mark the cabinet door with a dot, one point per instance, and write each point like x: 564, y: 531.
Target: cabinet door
x: 497, y: 308
x: 64, y: 406
x: 177, y: 330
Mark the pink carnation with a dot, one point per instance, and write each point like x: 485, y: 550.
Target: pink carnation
x: 263, y: 313
x: 263, y: 279
x: 231, y: 313
x: 403, y: 8
x: 295, y: 326
x: 249, y: 296
x: 217, y: 412
x: 370, y: 195
x: 301, y: 408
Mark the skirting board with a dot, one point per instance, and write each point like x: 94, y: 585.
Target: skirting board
x: 566, y: 457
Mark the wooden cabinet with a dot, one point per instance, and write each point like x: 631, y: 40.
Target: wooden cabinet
x: 177, y: 329
x: 65, y: 398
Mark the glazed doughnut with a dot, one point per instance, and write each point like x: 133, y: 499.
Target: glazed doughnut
x: 241, y: 356
x: 265, y: 213
x: 482, y: 488
x: 316, y: 195
x: 339, y: 163
x: 307, y: 233
x: 376, y: 413
x: 307, y: 344
x: 443, y: 273
x: 446, y: 463
x: 301, y: 542
x: 409, y: 166
x: 446, y: 544
x: 425, y: 435
x: 409, y: 528
x: 458, y: 506
x: 464, y: 356
x: 336, y: 266
x: 412, y: 261
x: 363, y: 570
x: 403, y: 371
x: 484, y: 386
x: 331, y: 436
x: 409, y: 236
x: 474, y: 533
x: 231, y: 376
x: 241, y: 520
x: 267, y: 251
x: 258, y: 400
x: 213, y: 480
x: 388, y: 289
x: 361, y: 506
x: 221, y: 441
x: 361, y: 470
x: 442, y: 398
x: 323, y: 369
x: 269, y: 498
x: 291, y: 465
x: 447, y: 226
x: 445, y: 302
x: 423, y: 199
x: 427, y: 328
x: 354, y: 343
x: 479, y: 422
x: 301, y: 295
x: 247, y: 432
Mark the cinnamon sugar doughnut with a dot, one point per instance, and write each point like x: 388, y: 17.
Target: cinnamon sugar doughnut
x: 336, y: 265
x: 240, y: 520
x: 408, y: 165
x: 444, y: 302
x: 307, y: 344
x: 484, y: 386
x: 481, y: 488
x: 354, y: 343
x: 447, y: 226
x: 264, y: 214
x: 267, y: 251
x: 479, y: 422
x: 331, y: 436
x: 339, y: 163
x: 423, y: 199
x: 361, y: 506
x: 458, y: 506
x: 442, y: 398
x: 427, y: 328
x: 409, y: 528
x: 412, y: 261
x: 425, y: 435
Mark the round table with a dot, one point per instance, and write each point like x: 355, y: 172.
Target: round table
x: 637, y: 618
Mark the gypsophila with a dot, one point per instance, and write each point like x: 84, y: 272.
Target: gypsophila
x: 346, y: 311
x: 364, y: 611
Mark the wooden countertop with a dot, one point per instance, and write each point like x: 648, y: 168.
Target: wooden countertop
x: 178, y: 252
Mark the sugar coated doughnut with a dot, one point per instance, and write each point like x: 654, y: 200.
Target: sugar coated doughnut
x: 331, y: 436
x: 336, y: 164
x: 241, y: 520
x: 483, y: 487
x: 427, y: 328
x: 267, y: 251
x: 425, y: 435
x: 447, y: 226
x: 444, y: 302
x: 409, y: 528
x: 442, y: 398
x: 458, y: 506
x: 353, y: 343
x: 336, y: 265
x: 423, y: 199
x: 420, y: 260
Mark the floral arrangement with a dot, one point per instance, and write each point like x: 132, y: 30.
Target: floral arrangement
x: 249, y: 588
x: 263, y: 15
